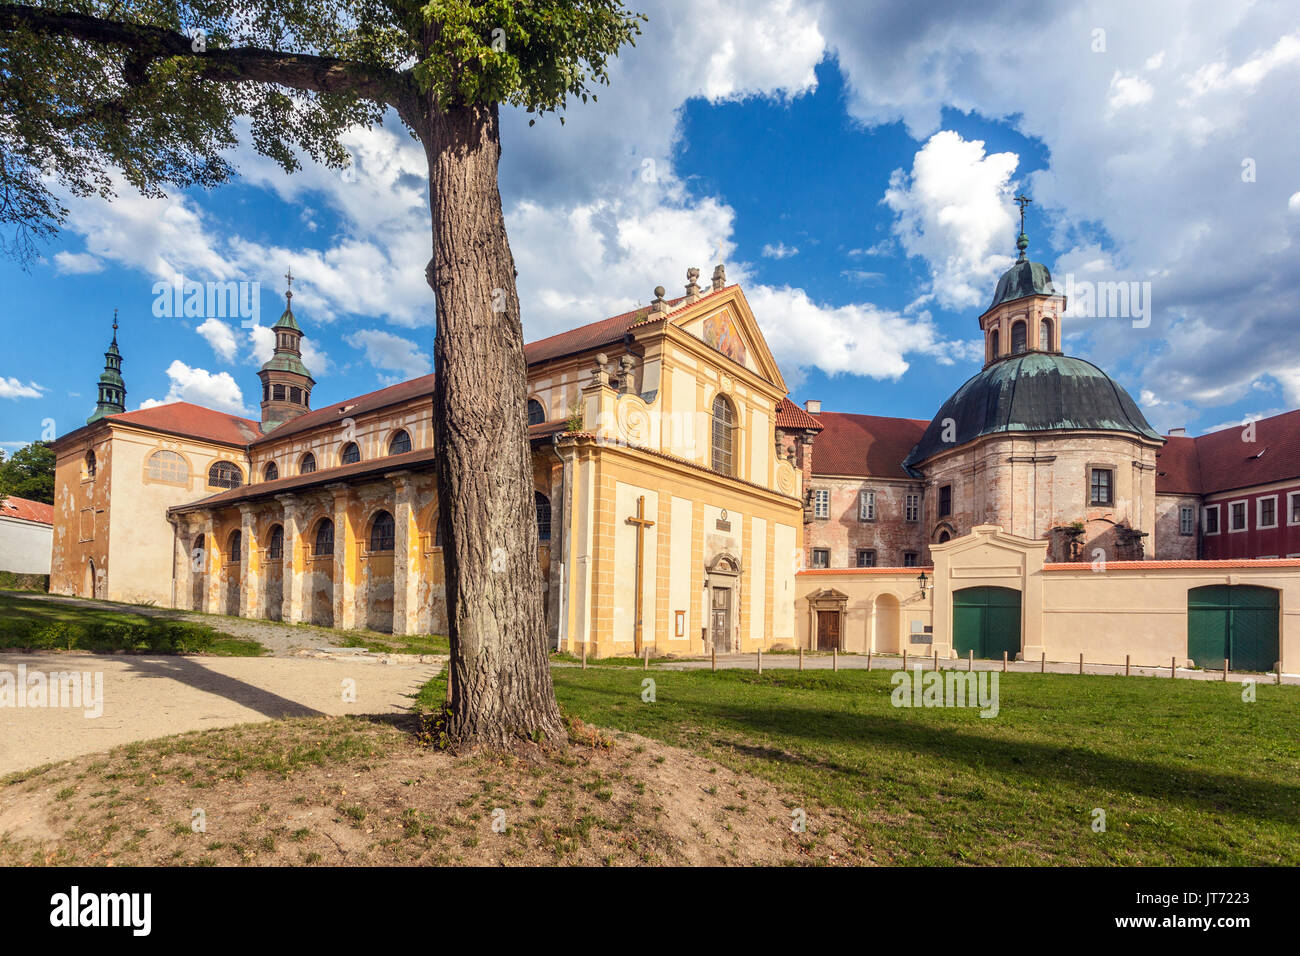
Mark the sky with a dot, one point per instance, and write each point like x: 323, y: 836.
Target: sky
x: 852, y: 163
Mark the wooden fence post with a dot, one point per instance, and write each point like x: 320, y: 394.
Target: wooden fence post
x: 1225, y: 668
x: 1080, y: 662
x: 835, y: 658
x: 1278, y: 665
x: 1173, y: 667
x: 801, y: 658
x: 1042, y: 669
x: 760, y: 660
x: 584, y: 655
x: 713, y: 658
x: 936, y: 660
x: 905, y: 658
x: 1126, y: 663
x: 1004, y: 662
x: 970, y: 659
x: 868, y: 658
x: 646, y: 666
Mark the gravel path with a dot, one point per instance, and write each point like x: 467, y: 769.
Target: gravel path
x: 146, y: 697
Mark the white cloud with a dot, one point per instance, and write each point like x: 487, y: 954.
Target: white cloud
x: 77, y: 263
x: 221, y: 337
x: 198, y: 386
x: 1129, y: 91
x: 779, y: 251
x: 391, y: 353
x: 954, y: 210
x: 14, y: 388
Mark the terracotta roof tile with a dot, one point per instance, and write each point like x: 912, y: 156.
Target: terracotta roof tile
x: 1228, y: 462
x: 789, y: 415
x: 26, y: 510
x: 352, y: 407
x: 195, y: 421
x: 1236, y: 564
x: 1178, y: 467
x: 864, y: 445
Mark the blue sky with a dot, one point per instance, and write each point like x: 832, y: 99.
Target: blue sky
x: 852, y: 167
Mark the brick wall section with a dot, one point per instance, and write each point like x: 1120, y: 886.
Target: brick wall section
x: 890, y: 535
x: 1171, y: 544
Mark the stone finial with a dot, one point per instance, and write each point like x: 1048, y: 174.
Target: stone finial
x: 660, y: 304
x: 692, y: 284
x: 719, y: 277
x: 599, y: 373
x: 625, y: 364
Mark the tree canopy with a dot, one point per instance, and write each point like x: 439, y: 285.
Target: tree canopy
x: 150, y: 93
x: 29, y: 473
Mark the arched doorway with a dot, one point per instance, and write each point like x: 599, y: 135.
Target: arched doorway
x: 986, y: 620
x: 378, y: 571
x: 722, y: 584
x: 273, y: 574
x: 886, y: 624
x: 1237, y: 623
x: 233, y: 569
x: 88, y: 585
x: 198, y: 573
x: 321, y: 576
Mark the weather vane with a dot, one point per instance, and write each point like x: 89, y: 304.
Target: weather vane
x: 1022, y: 241
x: 288, y: 277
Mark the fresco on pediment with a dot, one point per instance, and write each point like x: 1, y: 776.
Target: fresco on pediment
x: 722, y: 332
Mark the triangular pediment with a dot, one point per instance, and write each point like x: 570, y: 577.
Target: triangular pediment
x: 725, y: 324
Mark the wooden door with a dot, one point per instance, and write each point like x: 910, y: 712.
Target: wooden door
x: 828, y: 630
x: 722, y: 619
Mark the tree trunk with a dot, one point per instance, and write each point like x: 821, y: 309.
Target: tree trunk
x: 500, y: 677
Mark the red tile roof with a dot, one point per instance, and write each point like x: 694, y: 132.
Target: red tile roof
x: 352, y: 407
x: 1236, y: 564
x: 26, y: 510
x: 1228, y: 462
x: 864, y: 445
x: 789, y: 415
x: 1178, y: 467
x: 182, y: 418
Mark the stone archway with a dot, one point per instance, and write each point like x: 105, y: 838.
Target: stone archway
x: 722, y: 592
x: 88, y: 585
x: 885, y: 619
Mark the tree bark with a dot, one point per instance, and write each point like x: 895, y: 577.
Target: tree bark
x: 500, y: 676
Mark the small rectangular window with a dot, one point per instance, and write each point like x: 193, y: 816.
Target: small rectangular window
x: 1210, y: 517
x: 1186, y: 521
x: 945, y: 501
x: 909, y: 559
x: 821, y: 558
x: 866, y: 506
x: 912, y: 509
x: 821, y: 503
x: 1102, y: 487
x: 866, y: 558
x: 1294, y: 509
x: 1267, y: 514
x: 1237, y: 516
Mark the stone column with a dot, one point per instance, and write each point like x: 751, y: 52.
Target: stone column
x: 212, y: 566
x: 250, y: 598
x: 345, y: 553
x: 183, y: 579
x: 406, y: 555
x: 295, y: 557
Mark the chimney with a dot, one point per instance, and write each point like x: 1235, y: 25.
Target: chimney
x: 1177, y: 432
x: 719, y: 277
x: 813, y: 406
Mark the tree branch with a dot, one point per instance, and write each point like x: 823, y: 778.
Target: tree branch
x: 144, y: 44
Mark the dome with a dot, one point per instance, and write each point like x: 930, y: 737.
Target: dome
x: 1032, y: 392
x: 1022, y: 279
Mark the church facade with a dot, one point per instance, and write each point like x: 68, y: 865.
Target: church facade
x: 666, y: 516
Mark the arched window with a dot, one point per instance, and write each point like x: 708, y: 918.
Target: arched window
x: 536, y: 414
x: 944, y: 536
x: 295, y: 395
x: 400, y: 443
x: 236, y: 547
x: 225, y: 474
x: 994, y: 340
x: 88, y: 469
x: 324, y: 538
x: 543, y: 516
x: 271, y: 471
x: 437, y: 530
x: 724, y: 427
x: 351, y: 454
x: 381, y: 532
x: 1018, y: 338
x: 198, y: 555
x: 275, y: 550
x: 168, y: 466
x: 307, y: 465
x: 1045, y: 335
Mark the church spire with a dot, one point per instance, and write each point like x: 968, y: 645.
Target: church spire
x: 286, y: 383
x: 111, y: 388
x: 1022, y: 241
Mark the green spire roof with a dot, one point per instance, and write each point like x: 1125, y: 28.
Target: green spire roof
x: 111, y: 389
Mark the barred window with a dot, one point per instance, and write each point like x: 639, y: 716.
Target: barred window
x: 866, y: 506
x: 271, y: 471
x: 543, y: 516
x: 307, y: 465
x: 351, y: 454
x: 400, y: 443
x: 536, y: 414
x: 821, y: 503
x: 225, y: 474
x: 324, y: 538
x: 168, y: 466
x: 382, y: 532
x: 945, y: 501
x: 912, y: 509
x: 724, y: 427
x: 275, y: 550
x: 235, y: 551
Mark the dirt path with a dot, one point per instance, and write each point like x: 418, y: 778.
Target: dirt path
x: 146, y: 697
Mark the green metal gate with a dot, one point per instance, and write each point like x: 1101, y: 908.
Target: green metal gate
x: 987, y: 621
x: 1238, y: 623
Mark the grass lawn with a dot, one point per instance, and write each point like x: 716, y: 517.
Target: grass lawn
x: 1186, y: 772
x: 72, y: 626
x: 398, y: 643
